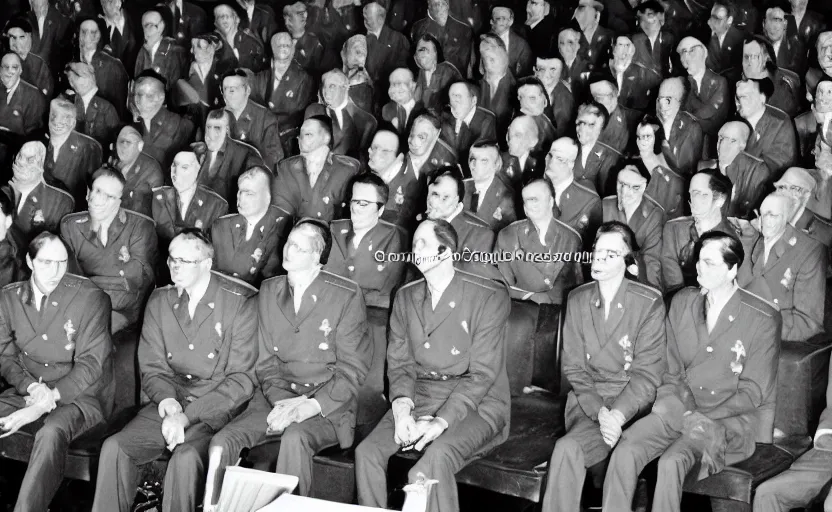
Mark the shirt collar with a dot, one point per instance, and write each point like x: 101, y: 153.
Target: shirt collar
x: 36, y: 293
x: 454, y: 215
x: 753, y: 120
x: 470, y: 117
x: 418, y: 162
x: 58, y: 142
x: 393, y: 169
x: 86, y: 98
x: 198, y: 291
x: 560, y: 187
x: 482, y: 190
x: 250, y: 11
x: 343, y: 104
x: 10, y: 91
x: 699, y: 76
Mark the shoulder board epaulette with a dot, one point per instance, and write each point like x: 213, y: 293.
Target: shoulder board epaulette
x: 821, y: 220
x: 211, y: 192
x: 486, y: 283
x: 62, y: 191
x: 387, y: 223
x: 610, y: 148
x: 446, y: 146
x: 679, y: 219
x: 249, y: 146
x: 764, y: 301
x: 752, y: 157
x: 14, y: 285
x: 654, y: 202
x: 234, y: 280
x: 706, y: 164
x: 89, y: 139
x: 137, y: 214
x: 777, y: 112
x: 450, y: 64
x: 340, y: 281
x: 412, y: 283
x: 72, y: 280
x: 641, y: 289
x: 473, y: 220
x: 78, y: 217
x: 161, y: 188
x: 568, y: 227
x: 489, y: 112
x: 519, y: 223
x: 468, y: 180
x: 228, y: 216
x: 450, y: 16
x: 610, y: 198
x: 585, y: 188
x: 346, y: 159
x: 24, y: 83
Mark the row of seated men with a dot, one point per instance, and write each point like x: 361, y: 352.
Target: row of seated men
x: 225, y: 366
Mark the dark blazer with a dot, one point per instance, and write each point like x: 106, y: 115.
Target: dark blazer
x: 597, y: 50
x: 497, y: 209
x: 355, y: 136
x: 100, y: 120
x: 482, y: 126
x: 647, y: 223
x: 26, y: 112
x: 599, y: 168
x: 434, y: 95
x: 295, y: 91
x: 750, y: 177
x: 500, y: 101
x: 726, y: 59
x: 252, y: 53
x: 684, y: 144
x: 520, y: 56
x: 662, y: 58
x: 192, y: 21
x: 48, y: 45
x: 142, y: 177
x: 259, y: 127
x: 170, y: 61
x: 112, y: 80
x: 792, y: 55
x: 206, y: 207
x: 327, y: 200
x: 396, y: 115
x: 709, y: 104
x: 262, y: 23
x: 79, y: 157
x: 36, y: 72
x: 811, y: 25
x: 455, y: 38
x: 124, y: 44
x: 638, y: 89
x: 386, y: 53
x: 774, y: 140
x: 233, y: 158
x: 169, y: 133
x: 44, y: 208
x: 580, y: 209
x: 543, y: 37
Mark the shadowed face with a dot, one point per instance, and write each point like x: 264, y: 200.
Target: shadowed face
x: 711, y: 270
x: 443, y: 198
x: 104, y: 198
x: 19, y: 41
x: 49, y: 266
x: 184, y: 171
x: 608, y: 257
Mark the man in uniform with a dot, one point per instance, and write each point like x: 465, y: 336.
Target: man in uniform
x: 520, y: 57
x: 497, y: 86
x: 595, y: 39
x: 387, y: 49
x: 466, y: 123
x: 249, y: 243
x: 123, y: 39
x: 540, y: 28
x: 635, y: 84
x: 110, y: 73
x: 708, y: 98
x: 450, y: 374
x: 454, y: 36
x: 187, y: 20
x: 56, y: 358
x: 519, y: 165
x: 352, y: 127
x: 196, y: 359
x: 95, y: 116
x: 613, y: 375
x: 23, y: 107
x: 224, y: 159
x: 644, y: 216
x: 549, y: 69
x: 548, y: 280
x: 71, y: 157
x: 35, y: 69
x: 709, y: 191
x: 575, y: 67
x: 427, y: 152
x: 141, y: 172
x: 51, y: 29
x: 311, y: 54
x: 285, y: 88
x: 595, y: 160
x: 800, y: 184
x: 403, y: 107
x: 773, y: 135
x: 115, y: 248
x: 251, y: 123
x: 240, y: 48
x: 789, y: 53
x: 605, y: 90
x: 748, y: 174
x: 758, y: 62
x: 315, y: 352
x: 487, y: 196
x: 725, y: 45
x: 576, y: 203
x: 258, y: 19
x: 314, y: 183
x: 787, y: 267
x: 12, y: 245
x: 38, y: 206
x: 365, y: 248
x: 165, y: 133
x: 160, y: 53
x: 716, y: 398
x: 404, y: 190
x: 654, y: 44
x: 682, y: 131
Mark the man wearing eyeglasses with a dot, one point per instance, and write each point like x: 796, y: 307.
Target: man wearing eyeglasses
x: 196, y: 357
x: 725, y: 45
x: 70, y: 156
x: 56, y: 356
x: 454, y: 35
x: 114, y: 247
x: 604, y: 90
x: 786, y: 267
x: 160, y: 53
x: 285, y: 88
x: 800, y: 184
x: 773, y: 136
x: 576, y: 202
x: 631, y: 206
x: 487, y: 196
x: 747, y: 173
x: 614, y: 356
x: 141, y: 172
x: 790, y: 52
x: 315, y: 352
x: 240, y: 48
x: 249, y: 244
x: 358, y: 242
x: 38, y: 206
x: 96, y: 117
x: 22, y: 105
x: 314, y: 183
x: 682, y: 131
x: 595, y: 159
x: 249, y: 122
x: 403, y: 107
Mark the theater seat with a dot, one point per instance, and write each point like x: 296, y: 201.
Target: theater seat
x: 801, y: 384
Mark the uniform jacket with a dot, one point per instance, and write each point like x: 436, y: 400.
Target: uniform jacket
x: 396, y: 115
x: 169, y: 133
x: 811, y: 25
x: 233, y: 158
x: 356, y: 133
x: 597, y: 50
x: 407, y: 197
x: 377, y: 276
x: 684, y: 144
x: 311, y: 55
x: 327, y: 200
x: 67, y: 344
x: 662, y: 57
x: 729, y: 375
x: 124, y: 267
x: 112, y: 79
x: 252, y: 53
x: 206, y: 207
x: 580, y: 209
x: 192, y: 21
x: 794, y: 279
x: 12, y: 257
x: 599, y: 167
x: 26, y: 111
x: 709, y: 103
x: 750, y: 177
x: 547, y: 133
x: 483, y: 126
x: 726, y: 59
x: 124, y: 44
x: 647, y: 223
x: 617, y: 362
x: 773, y: 140
x: 44, y: 208
x: 474, y: 238
x: 576, y: 76
x: 295, y: 91
x: 257, y: 258
x: 788, y: 93
x: 499, y: 101
x: 385, y: 53
x: 807, y: 128
x: 170, y: 61
x: 323, y: 351
x: 514, y: 176
x: 262, y: 23
x: 205, y: 363
x: 36, y: 72
x: 637, y: 89
x: 451, y: 358
x: 434, y: 95
x: 520, y: 56
x: 562, y: 110
x: 55, y: 29
x: 99, y: 120
x: 77, y: 159
x: 792, y: 56
x: 455, y: 38
x: 548, y: 276
x: 259, y: 127
x: 669, y: 190
x: 678, y: 240
x: 209, y: 87
x: 616, y: 134
x: 543, y: 37
x: 142, y: 178
x: 815, y: 226
x: 497, y: 208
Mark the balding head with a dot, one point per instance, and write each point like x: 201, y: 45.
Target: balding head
x: 402, y: 86
x: 671, y: 96
x: 28, y: 164
x: 283, y: 48
x: 383, y: 151
x: 732, y: 139
x: 693, y: 55
x: 776, y: 211
x: 523, y: 135
x: 561, y: 160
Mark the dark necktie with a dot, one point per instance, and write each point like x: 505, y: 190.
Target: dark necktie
x: 184, y: 308
x: 42, y: 307
x: 475, y: 202
x: 336, y: 125
x: 686, y: 254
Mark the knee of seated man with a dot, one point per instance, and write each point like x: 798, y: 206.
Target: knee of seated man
x: 566, y: 444
x: 51, y: 433
x: 295, y: 434
x: 184, y: 453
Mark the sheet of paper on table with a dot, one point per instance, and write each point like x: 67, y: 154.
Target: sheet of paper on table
x: 248, y: 490
x: 291, y: 503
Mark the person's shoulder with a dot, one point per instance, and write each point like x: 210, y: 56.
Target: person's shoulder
x: 234, y: 286
x: 58, y: 193
x: 74, y: 221
x: 340, y: 282
x: 643, y: 292
x: 750, y: 159
x: 81, y: 283
x: 472, y: 220
x: 345, y: 161
x: 480, y: 284
x: 754, y: 302
x: 777, y: 114
x: 584, y: 191
x: 211, y: 195
x: 679, y: 224
x: 163, y: 194
x: 581, y: 292
x: 129, y: 216
x: 651, y: 207
x: 84, y: 142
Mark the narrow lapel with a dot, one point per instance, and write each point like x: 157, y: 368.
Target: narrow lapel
x: 618, y: 308
x: 309, y: 300
x: 286, y: 304
x: 444, y: 308
x: 596, y: 308
x: 203, y: 311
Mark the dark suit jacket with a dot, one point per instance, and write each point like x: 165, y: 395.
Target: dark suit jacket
x: 259, y: 127
x: 169, y: 134
x: 49, y: 43
x: 386, y: 53
x: 100, y: 120
x: 13, y: 257
x: 726, y: 59
x: 327, y: 200
x: 562, y: 109
x: 500, y: 101
x: 520, y: 56
x: 295, y: 91
x: 616, y: 134
x: 662, y: 59
x: 711, y: 103
x: 311, y: 54
x: 637, y: 90
x: 251, y: 50
x: 792, y: 55
x: 497, y: 209
x: 483, y: 126
x: 142, y: 178
x: 750, y: 177
x: 599, y: 167
x: 124, y: 45
x: 262, y: 24
x: 192, y: 21
x: 597, y: 50
x: 356, y: 134
x: 170, y: 61
x: 435, y: 94
x: 543, y: 37
x: 112, y: 79
x: 396, y: 115
x: 36, y: 72
x: 811, y: 25
x: 580, y: 209
x: 44, y: 208
x: 79, y: 157
x: 206, y: 207
x: 774, y: 140
x: 455, y: 38
x: 26, y: 112
x: 684, y: 144
x: 647, y: 223
x: 232, y: 159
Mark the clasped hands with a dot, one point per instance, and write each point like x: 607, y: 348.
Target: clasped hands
x: 40, y: 400
x: 174, y: 422
x: 291, y: 410
x: 413, y: 434
x: 611, y: 422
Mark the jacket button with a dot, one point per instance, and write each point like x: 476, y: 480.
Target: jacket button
x: 45, y: 364
x: 45, y: 337
x: 275, y: 349
x: 709, y: 349
x: 191, y: 346
x: 297, y: 330
x: 188, y: 377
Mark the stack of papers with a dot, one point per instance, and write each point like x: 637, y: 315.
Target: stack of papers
x: 249, y: 490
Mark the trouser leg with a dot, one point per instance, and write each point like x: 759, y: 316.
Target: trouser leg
x: 245, y: 431
x: 185, y: 475
x: 674, y: 466
x: 371, y: 459
x: 299, y: 443
x: 797, y: 486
